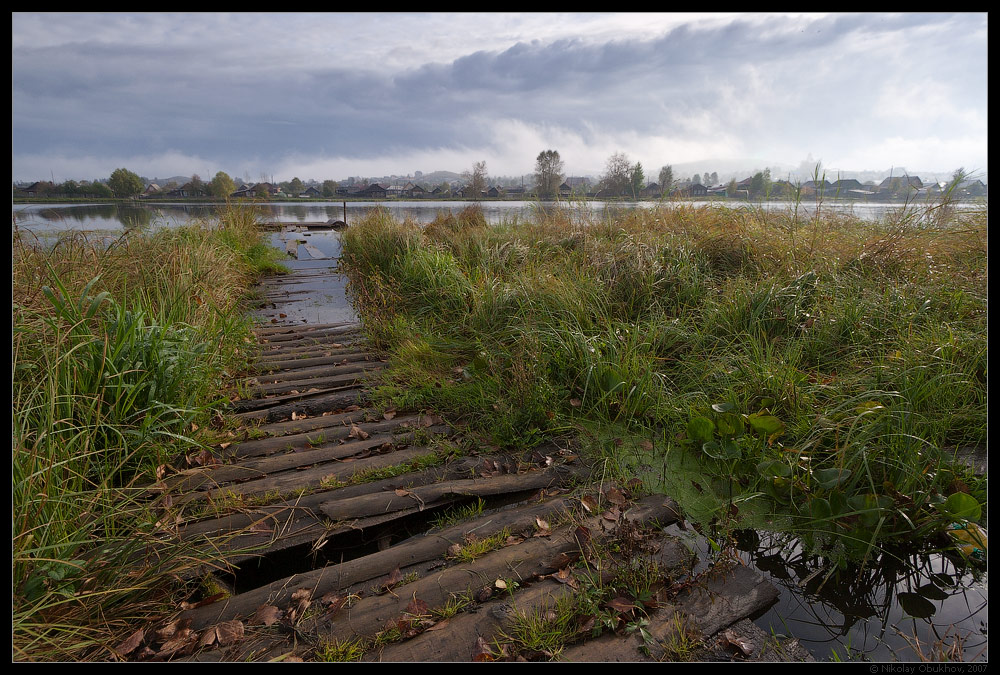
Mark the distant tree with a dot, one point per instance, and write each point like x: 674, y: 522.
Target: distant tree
x: 617, y: 178
x: 666, y: 179
x: 760, y: 183
x: 70, y: 188
x: 329, y: 188
x: 222, y: 185
x: 696, y: 178
x: 732, y: 188
x: 476, y: 179
x: 123, y: 183
x: 261, y: 191
x: 197, y: 184
x: 296, y: 187
x: 99, y: 189
x: 548, y: 173
x: 715, y: 178
x: 637, y: 180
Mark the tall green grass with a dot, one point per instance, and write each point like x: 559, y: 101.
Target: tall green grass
x: 119, y: 348
x: 848, y: 357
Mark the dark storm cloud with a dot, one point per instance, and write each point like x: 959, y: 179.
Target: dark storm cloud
x: 238, y: 94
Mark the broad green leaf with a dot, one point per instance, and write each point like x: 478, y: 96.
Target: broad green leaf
x: 962, y: 506
x: 730, y: 449
x: 722, y: 407
x: 729, y: 424
x: 819, y: 509
x: 773, y: 468
x: 713, y: 450
x: 830, y: 478
x: 768, y: 425
x: 700, y: 429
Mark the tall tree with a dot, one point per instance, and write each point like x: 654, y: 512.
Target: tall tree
x: 124, y: 183
x: 548, y: 173
x: 222, y: 185
x: 329, y: 188
x: 617, y: 178
x: 666, y: 179
x: 637, y: 178
x: 476, y: 179
x: 197, y: 185
x: 295, y: 187
x: 696, y: 178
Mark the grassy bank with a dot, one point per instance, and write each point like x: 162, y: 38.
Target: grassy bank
x: 119, y: 352
x: 808, y: 373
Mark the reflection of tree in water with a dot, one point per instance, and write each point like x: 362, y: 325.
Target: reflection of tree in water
x: 891, y: 586
x: 133, y: 217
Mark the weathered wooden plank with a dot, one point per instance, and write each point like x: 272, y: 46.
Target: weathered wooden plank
x: 307, y: 373
x: 275, y: 365
x: 308, y: 404
x: 523, y: 561
x: 292, y: 386
x: 336, y: 577
x: 385, y: 502
x: 263, y: 446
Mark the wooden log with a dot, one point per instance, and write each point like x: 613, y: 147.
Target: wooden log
x: 329, y: 382
x: 271, y: 444
x: 336, y: 577
x: 275, y: 365
x: 307, y: 405
x: 522, y: 562
x: 724, y: 598
x: 386, y: 502
x: 457, y: 642
x: 311, y: 334
x: 307, y: 373
x: 289, y: 481
x: 276, y: 330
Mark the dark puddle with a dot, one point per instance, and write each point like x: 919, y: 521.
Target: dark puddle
x: 899, y: 607
x: 321, y: 299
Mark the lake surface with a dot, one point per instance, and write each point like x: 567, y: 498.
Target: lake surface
x: 49, y: 219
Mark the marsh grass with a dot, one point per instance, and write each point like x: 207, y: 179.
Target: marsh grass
x: 848, y: 354
x: 119, y: 349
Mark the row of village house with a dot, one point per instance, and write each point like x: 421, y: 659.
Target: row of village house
x: 575, y: 186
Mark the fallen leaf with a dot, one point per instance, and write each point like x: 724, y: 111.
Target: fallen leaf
x: 501, y: 584
x: 575, y: 402
x: 614, y: 496
x: 589, y: 503
x: 439, y: 625
x: 647, y: 446
x: 417, y: 607
x: 481, y: 652
x: 484, y: 594
x: 454, y: 550
x: 737, y: 643
x: 266, y: 615
x: 389, y: 414
x: 612, y: 514
x: 130, y: 644
x: 357, y: 432
x: 621, y: 604
x: 229, y: 632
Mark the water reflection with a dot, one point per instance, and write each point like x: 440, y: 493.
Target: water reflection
x: 151, y: 214
x: 877, y: 612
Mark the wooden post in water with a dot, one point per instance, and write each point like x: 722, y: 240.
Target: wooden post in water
x: 345, y: 212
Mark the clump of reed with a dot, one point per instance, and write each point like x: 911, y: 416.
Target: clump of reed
x: 119, y: 350
x: 862, y: 343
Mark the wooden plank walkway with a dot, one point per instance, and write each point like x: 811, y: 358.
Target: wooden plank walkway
x: 354, y: 532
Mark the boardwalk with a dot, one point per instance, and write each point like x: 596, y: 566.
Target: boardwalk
x: 353, y: 532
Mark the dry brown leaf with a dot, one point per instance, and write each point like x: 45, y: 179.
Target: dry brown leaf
x: 737, y: 643
x: 622, y: 604
x: 454, y: 550
x: 647, y: 446
x: 481, y: 652
x: 614, y: 496
x: 575, y: 402
x: 589, y: 503
x: 417, y: 607
x: 266, y: 615
x: 357, y: 432
x: 389, y: 414
x: 130, y: 644
x: 612, y: 514
x: 229, y: 632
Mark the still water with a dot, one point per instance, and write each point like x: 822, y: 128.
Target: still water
x: 48, y: 219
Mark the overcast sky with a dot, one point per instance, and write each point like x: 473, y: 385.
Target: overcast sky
x: 335, y: 95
